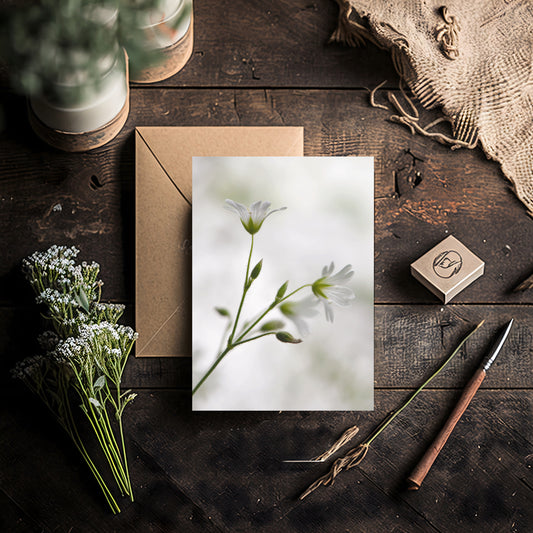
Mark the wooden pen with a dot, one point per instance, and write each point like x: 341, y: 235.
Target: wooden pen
x: 419, y: 473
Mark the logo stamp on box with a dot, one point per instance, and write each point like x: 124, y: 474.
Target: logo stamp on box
x: 448, y: 268
x: 447, y: 264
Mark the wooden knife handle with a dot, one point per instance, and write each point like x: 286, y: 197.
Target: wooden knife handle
x: 421, y: 470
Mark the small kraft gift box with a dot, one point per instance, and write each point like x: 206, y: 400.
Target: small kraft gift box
x: 447, y: 268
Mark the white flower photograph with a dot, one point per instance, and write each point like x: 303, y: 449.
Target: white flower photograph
x: 282, y: 283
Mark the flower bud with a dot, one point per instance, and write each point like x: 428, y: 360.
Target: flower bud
x: 256, y: 270
x: 282, y: 290
x: 285, y: 336
x: 222, y: 311
x: 272, y: 325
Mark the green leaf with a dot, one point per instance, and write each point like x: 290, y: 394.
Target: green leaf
x: 222, y: 311
x: 282, y: 290
x: 82, y: 300
x: 100, y: 383
x: 95, y: 402
x: 256, y: 270
x: 285, y: 336
x: 272, y: 325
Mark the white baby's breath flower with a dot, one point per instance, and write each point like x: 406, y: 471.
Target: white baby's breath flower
x: 252, y: 217
x: 29, y: 368
x: 48, y: 340
x: 298, y: 311
x: 330, y: 288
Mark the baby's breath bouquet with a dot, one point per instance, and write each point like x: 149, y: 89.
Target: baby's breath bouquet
x: 86, y: 351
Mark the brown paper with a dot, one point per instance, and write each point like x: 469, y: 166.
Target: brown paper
x: 163, y: 196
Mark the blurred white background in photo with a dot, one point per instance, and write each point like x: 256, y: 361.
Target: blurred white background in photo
x: 329, y: 217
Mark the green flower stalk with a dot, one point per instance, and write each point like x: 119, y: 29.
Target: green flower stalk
x: 356, y: 455
x: 86, y: 353
x: 329, y: 289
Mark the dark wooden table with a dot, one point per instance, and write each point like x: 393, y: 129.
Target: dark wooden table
x: 262, y: 63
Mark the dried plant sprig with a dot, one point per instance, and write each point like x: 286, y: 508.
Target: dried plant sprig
x: 357, y: 454
x: 351, y: 459
x: 524, y: 285
x: 345, y: 438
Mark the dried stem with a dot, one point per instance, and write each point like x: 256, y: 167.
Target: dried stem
x: 351, y: 459
x: 346, y: 437
x: 524, y: 285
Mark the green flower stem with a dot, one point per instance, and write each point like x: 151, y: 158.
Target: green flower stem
x: 213, y: 366
x: 226, y: 331
x: 66, y: 421
x: 103, y: 438
x: 240, y: 339
x: 121, y: 432
x: 100, y: 432
x: 73, y: 431
x: 110, y: 436
x: 119, y: 454
x: 253, y: 338
x: 125, y: 457
x: 273, y: 305
x: 120, y: 410
x: 244, y: 291
x: 395, y: 413
x: 106, y: 448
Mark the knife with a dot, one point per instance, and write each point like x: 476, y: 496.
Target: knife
x: 421, y: 470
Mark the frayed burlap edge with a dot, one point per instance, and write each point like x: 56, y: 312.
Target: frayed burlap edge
x: 353, y: 31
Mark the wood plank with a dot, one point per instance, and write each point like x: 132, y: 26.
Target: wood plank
x: 410, y: 342
x: 14, y: 519
x: 49, y: 197
x: 225, y: 470
x: 60, y: 493
x: 251, y: 43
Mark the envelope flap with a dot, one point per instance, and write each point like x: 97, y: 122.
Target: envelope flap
x: 173, y: 147
x: 163, y: 195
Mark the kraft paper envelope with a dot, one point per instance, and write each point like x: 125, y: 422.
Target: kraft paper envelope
x: 163, y: 196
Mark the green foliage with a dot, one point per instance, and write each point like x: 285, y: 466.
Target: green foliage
x: 282, y: 290
x: 272, y: 325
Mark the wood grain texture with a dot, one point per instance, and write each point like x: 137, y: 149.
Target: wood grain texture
x: 276, y: 44
x: 87, y: 199
x: 266, y: 63
x: 410, y: 343
x: 224, y: 472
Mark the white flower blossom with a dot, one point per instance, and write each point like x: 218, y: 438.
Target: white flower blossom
x: 30, y: 368
x: 297, y: 311
x: 48, y: 340
x: 252, y: 217
x: 330, y: 288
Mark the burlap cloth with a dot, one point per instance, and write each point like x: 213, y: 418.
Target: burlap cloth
x: 473, y: 58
